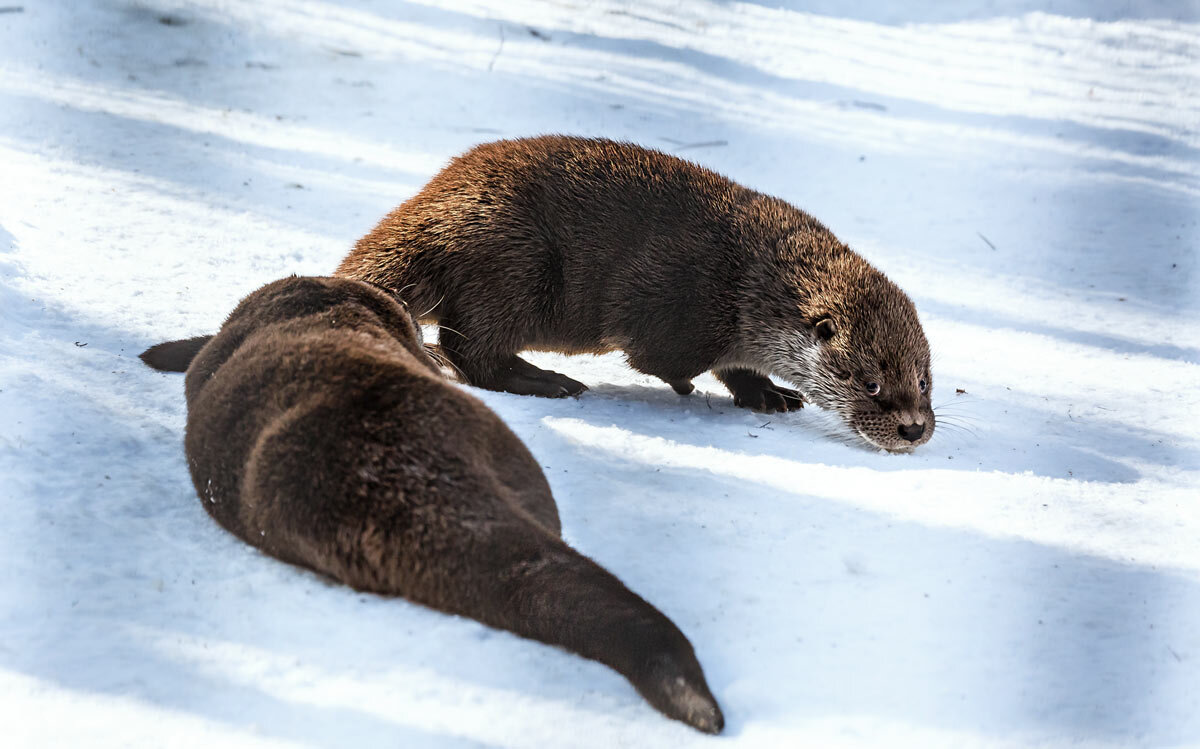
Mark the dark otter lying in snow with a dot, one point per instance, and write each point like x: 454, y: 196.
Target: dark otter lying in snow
x: 320, y: 431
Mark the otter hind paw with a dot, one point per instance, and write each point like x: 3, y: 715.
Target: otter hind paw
x: 522, y: 378
x: 683, y: 387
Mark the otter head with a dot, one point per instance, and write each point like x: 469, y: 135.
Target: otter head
x: 850, y: 340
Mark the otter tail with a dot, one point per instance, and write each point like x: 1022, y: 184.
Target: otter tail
x: 174, y: 356
x: 571, y: 601
x: 533, y: 584
x: 516, y: 575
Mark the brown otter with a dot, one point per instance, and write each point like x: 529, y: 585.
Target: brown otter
x: 579, y: 245
x: 320, y: 432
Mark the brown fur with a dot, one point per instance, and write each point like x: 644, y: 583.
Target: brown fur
x: 174, y: 356
x: 587, y: 246
x: 320, y: 432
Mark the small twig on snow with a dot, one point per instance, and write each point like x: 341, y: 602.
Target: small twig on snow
x: 498, y: 49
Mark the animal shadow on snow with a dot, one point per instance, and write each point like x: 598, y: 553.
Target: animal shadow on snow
x: 978, y: 435
x: 802, y: 607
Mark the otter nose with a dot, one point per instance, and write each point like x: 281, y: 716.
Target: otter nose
x: 911, y: 432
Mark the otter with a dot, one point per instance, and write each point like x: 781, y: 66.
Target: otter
x: 587, y: 246
x: 320, y: 431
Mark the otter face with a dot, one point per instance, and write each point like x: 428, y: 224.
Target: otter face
x: 882, y: 391
x: 865, y: 358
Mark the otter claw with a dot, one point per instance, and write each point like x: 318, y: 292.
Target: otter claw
x: 758, y: 393
x: 522, y: 378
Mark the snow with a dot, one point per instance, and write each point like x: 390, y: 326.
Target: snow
x: 1027, y: 171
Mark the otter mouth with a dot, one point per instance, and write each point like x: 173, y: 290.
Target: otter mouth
x: 869, y: 442
x: 912, y: 439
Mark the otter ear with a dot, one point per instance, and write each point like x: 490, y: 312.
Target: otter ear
x: 825, y: 328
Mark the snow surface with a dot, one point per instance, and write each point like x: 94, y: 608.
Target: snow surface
x: 1028, y: 171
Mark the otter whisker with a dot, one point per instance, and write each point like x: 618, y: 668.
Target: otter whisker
x: 443, y: 361
x: 958, y: 428
x: 954, y: 409
x: 456, y: 332
x: 954, y: 416
x: 958, y: 415
x: 967, y: 403
x: 955, y: 419
x: 434, y: 351
x: 955, y: 412
x: 431, y: 309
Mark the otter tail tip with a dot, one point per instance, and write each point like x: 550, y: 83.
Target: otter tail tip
x: 704, y: 714
x: 676, y: 687
x: 174, y: 356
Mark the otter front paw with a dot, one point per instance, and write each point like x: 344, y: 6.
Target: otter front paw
x: 522, y: 378
x: 758, y: 393
x: 769, y: 399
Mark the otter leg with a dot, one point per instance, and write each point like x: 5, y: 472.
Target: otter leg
x: 506, y: 372
x: 663, y: 366
x: 683, y: 387
x: 752, y: 390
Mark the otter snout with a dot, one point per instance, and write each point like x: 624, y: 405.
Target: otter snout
x: 911, y: 426
x: 898, y: 431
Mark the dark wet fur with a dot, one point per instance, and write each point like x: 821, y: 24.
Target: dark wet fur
x: 586, y: 245
x: 320, y: 431
x: 174, y: 356
x: 572, y: 245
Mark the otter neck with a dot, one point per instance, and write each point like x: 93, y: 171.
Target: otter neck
x: 767, y: 345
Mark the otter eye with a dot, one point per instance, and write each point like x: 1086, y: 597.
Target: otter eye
x: 921, y: 384
x: 872, y: 388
